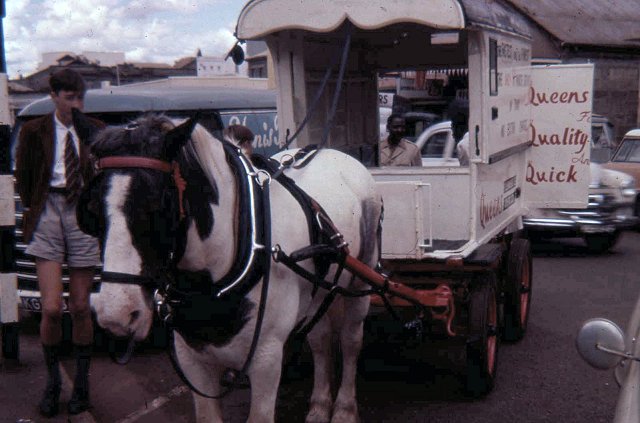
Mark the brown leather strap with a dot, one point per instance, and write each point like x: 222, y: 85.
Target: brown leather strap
x: 120, y: 162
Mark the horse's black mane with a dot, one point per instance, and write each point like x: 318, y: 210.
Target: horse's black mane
x: 141, y: 137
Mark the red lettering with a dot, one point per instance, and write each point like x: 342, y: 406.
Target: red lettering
x: 489, y: 210
x: 569, y: 136
x: 535, y: 177
x: 557, y: 97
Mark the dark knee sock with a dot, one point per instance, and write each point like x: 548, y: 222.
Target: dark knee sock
x: 52, y: 361
x: 83, y: 361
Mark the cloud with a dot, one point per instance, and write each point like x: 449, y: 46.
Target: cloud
x: 145, y: 30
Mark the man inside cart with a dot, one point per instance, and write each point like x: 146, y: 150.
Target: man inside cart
x: 394, y: 150
x: 52, y: 164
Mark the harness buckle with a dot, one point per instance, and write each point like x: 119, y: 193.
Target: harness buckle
x: 286, y: 160
x: 263, y: 177
x: 275, y: 251
x: 163, y: 309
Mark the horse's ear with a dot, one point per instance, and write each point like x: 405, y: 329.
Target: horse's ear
x: 178, y: 136
x: 85, y: 128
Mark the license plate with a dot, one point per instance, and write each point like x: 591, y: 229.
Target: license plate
x: 34, y: 304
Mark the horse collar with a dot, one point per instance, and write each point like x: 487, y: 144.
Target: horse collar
x: 253, y: 224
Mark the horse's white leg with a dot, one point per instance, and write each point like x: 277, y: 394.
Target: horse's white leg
x: 264, y: 375
x: 205, y: 377
x: 354, y: 310
x: 320, y: 343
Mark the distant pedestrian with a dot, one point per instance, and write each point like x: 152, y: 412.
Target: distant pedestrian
x: 52, y: 164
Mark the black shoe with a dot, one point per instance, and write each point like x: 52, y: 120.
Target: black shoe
x: 78, y: 403
x: 50, y: 402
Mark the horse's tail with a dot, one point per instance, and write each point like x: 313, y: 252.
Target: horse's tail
x: 370, y: 231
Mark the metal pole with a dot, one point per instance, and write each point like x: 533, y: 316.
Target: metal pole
x: 9, y: 329
x: 3, y: 62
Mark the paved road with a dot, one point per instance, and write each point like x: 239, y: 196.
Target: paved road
x: 540, y: 379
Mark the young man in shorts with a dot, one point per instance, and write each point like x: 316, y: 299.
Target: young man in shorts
x: 52, y: 164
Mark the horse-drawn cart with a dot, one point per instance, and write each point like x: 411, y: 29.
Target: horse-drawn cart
x: 224, y: 246
x: 451, y: 234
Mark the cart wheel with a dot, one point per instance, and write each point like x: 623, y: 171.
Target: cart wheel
x: 482, y: 344
x: 517, y: 289
x: 10, y: 340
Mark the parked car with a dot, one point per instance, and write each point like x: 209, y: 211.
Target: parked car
x: 603, y: 144
x: 218, y: 106
x: 612, y: 193
x: 603, y: 345
x: 626, y: 158
x: 437, y: 145
x: 609, y: 212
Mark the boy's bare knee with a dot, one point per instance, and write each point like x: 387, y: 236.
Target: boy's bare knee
x: 80, y: 313
x: 53, y: 313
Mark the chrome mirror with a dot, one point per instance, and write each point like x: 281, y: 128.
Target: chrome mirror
x: 600, y: 342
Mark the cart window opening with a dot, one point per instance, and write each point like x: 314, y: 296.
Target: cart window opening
x: 493, y: 67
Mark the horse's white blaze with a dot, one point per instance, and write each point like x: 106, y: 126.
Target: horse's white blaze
x: 118, y: 303
x: 120, y: 254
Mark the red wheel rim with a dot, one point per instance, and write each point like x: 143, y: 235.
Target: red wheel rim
x: 525, y: 290
x: 492, y: 339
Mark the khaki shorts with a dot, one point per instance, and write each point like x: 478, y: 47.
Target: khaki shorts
x: 58, y: 238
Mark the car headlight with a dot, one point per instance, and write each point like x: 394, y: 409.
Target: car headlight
x: 628, y: 188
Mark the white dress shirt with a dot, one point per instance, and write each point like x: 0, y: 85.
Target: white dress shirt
x: 57, y: 178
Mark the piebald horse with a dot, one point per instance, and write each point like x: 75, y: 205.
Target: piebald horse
x: 135, y: 212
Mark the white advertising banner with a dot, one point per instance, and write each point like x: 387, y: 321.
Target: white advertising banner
x: 557, y: 168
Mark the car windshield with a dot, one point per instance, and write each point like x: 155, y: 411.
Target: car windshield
x: 629, y: 151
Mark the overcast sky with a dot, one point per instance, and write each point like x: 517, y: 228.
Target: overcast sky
x: 145, y: 30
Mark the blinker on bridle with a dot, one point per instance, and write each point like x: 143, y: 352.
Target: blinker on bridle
x: 128, y: 162
x: 135, y: 162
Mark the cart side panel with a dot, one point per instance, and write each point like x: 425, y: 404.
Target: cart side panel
x: 506, y: 80
x: 499, y: 79
x: 426, y: 211
x: 497, y: 199
x: 557, y: 168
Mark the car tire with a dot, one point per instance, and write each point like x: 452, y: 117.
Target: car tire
x: 601, y: 243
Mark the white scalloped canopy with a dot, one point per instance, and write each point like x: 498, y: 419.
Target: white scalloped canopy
x: 262, y: 17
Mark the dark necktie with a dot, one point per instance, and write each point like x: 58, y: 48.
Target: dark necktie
x: 72, y: 169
